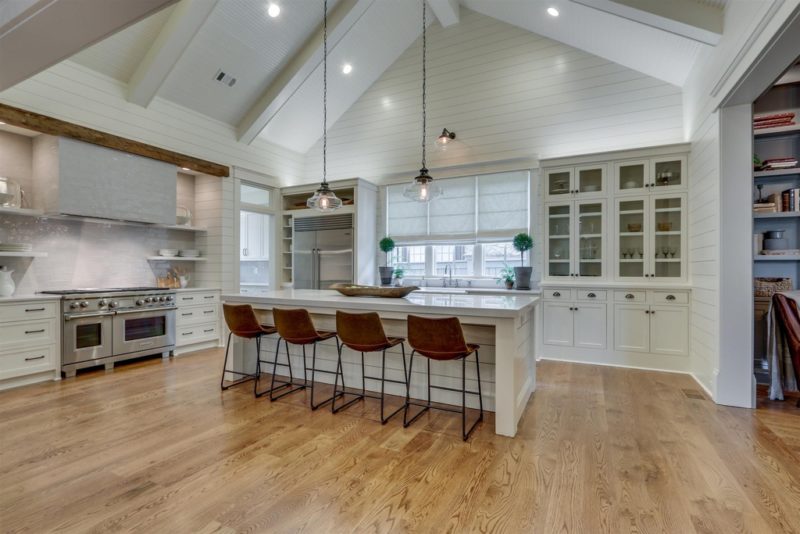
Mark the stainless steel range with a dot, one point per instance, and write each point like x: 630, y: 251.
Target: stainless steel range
x: 103, y: 326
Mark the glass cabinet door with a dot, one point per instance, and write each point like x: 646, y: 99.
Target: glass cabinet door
x: 631, y: 249
x: 632, y: 176
x: 667, y: 173
x: 667, y: 231
x: 559, y: 237
x: 589, y: 227
x: 590, y: 180
x: 559, y: 183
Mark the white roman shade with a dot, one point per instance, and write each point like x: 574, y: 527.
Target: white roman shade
x: 485, y: 208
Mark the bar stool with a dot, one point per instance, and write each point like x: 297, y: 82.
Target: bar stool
x: 242, y: 322
x: 296, y: 327
x: 443, y: 340
x: 363, y: 332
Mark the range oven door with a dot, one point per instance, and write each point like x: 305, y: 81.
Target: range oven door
x: 143, y: 330
x: 86, y: 337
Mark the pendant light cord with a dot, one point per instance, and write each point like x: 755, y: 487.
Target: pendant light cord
x: 424, y: 77
x: 325, y: 94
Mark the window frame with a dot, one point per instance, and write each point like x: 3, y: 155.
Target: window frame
x: 478, y: 263
x: 272, y: 210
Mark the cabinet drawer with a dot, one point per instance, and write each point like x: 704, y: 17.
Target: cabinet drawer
x: 27, y: 361
x: 669, y: 297
x: 630, y: 296
x: 186, y: 335
x: 591, y: 295
x: 196, y: 315
x: 27, y: 333
x: 558, y: 294
x: 197, y: 299
x: 25, y: 311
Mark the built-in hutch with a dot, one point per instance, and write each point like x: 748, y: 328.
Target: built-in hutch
x: 615, y: 280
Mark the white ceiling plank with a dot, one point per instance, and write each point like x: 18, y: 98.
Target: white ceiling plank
x: 340, y: 20
x: 687, y: 18
x: 183, y: 24
x: 69, y: 27
x: 447, y: 11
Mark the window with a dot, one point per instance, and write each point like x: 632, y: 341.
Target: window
x: 453, y: 259
x: 410, y: 259
x: 498, y: 255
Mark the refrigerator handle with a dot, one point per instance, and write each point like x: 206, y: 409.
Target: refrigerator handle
x: 319, y: 269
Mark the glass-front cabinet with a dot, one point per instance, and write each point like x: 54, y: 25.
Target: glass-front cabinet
x: 575, y: 182
x: 631, y: 245
x: 669, y: 243
x: 655, y: 175
x: 575, y: 242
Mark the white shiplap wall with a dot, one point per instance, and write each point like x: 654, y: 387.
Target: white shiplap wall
x: 214, y: 211
x: 74, y: 93
x: 704, y: 185
x: 508, y: 94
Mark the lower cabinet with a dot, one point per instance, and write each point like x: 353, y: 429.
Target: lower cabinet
x: 197, y: 320
x: 574, y: 323
x: 30, y: 342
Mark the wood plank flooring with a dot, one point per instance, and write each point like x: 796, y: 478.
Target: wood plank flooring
x: 155, y: 447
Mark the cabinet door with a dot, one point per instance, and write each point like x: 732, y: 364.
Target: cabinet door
x: 590, y: 326
x: 559, y: 240
x: 590, y: 180
x: 669, y: 330
x: 667, y: 174
x: 632, y: 177
x: 590, y: 229
x: 667, y: 236
x: 631, y: 254
x: 243, y: 237
x: 559, y: 183
x: 557, y: 324
x: 632, y: 327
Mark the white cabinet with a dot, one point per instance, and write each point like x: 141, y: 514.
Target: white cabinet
x: 575, y: 241
x: 586, y: 181
x: 573, y: 323
x: 30, y: 346
x: 663, y: 174
x: 657, y: 329
x: 589, y: 324
x: 254, y: 236
x: 197, y: 323
x: 557, y: 323
x: 632, y: 327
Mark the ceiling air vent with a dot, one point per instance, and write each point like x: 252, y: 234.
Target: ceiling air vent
x: 223, y: 77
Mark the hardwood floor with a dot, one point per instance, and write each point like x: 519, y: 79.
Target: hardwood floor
x: 156, y: 447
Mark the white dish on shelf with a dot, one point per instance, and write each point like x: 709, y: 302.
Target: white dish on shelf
x: 189, y: 253
x: 168, y: 252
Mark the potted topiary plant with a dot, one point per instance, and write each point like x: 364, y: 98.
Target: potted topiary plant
x: 507, y: 277
x: 386, y: 245
x: 398, y: 276
x: 523, y: 243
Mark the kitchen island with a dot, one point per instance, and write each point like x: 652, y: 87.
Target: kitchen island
x: 502, y: 325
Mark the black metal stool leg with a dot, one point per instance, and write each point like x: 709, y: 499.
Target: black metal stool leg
x: 337, y: 393
x: 258, y: 366
x: 281, y: 383
x: 466, y: 433
x: 425, y: 407
x: 247, y: 376
x: 313, y: 381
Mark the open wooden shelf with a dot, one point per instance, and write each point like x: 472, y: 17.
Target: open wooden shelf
x: 23, y: 254
x: 175, y: 258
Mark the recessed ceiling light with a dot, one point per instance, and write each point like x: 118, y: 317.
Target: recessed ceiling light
x: 2, y: 123
x: 553, y: 12
x: 274, y: 10
x: 347, y: 68
x: 185, y: 169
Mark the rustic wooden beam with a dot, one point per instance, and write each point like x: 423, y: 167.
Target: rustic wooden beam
x: 49, y: 125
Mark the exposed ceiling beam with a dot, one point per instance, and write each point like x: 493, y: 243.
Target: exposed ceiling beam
x: 446, y: 11
x: 687, y: 18
x: 183, y: 24
x: 340, y: 19
x: 36, y: 35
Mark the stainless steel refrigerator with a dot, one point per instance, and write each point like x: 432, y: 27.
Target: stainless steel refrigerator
x: 323, y: 251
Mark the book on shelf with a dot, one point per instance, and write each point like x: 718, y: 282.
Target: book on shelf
x: 790, y: 200
x: 774, y: 117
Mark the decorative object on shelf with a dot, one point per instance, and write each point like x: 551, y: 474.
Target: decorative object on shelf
x: 522, y: 243
x: 775, y: 120
x: 10, y: 193
x: 634, y: 227
x: 168, y: 252
x: 324, y: 199
x: 183, y: 217
x: 507, y: 276
x: 443, y: 141
x: 766, y: 287
x: 7, y: 286
x: 399, y: 273
x: 386, y: 245
x: 664, y: 226
x: 781, y: 252
x: 422, y: 189
x: 351, y: 290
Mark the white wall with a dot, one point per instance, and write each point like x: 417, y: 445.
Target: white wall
x: 508, y: 94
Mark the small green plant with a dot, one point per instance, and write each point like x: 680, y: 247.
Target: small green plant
x: 399, y: 273
x: 522, y: 243
x: 507, y: 276
x: 386, y: 245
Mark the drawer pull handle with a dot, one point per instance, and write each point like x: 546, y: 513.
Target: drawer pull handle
x: 209, y: 330
x: 187, y: 333
x: 209, y: 297
x: 34, y: 331
x: 209, y: 311
x: 591, y: 295
x: 670, y: 297
x: 556, y: 294
x: 187, y: 314
x: 188, y: 298
x: 629, y: 296
x: 34, y: 309
x: 35, y: 358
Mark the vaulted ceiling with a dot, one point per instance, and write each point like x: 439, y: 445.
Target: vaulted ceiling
x: 178, y: 53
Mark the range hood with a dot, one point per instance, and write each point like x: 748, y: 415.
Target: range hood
x: 80, y: 179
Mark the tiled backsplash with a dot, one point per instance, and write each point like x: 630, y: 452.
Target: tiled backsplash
x: 82, y: 254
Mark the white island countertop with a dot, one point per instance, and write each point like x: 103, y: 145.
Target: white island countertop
x: 416, y: 302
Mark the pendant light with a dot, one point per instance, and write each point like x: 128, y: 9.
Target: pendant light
x: 324, y: 198
x: 422, y: 189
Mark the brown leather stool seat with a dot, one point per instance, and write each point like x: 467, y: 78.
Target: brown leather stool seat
x: 296, y: 327
x: 442, y: 339
x: 363, y: 332
x: 242, y: 322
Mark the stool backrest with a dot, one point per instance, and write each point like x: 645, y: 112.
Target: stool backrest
x: 361, y: 331
x: 294, y: 325
x: 241, y: 319
x: 443, y: 337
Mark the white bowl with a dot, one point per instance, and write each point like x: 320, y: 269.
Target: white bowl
x: 168, y: 252
x: 190, y: 253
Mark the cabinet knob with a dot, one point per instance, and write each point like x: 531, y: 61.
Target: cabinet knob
x: 670, y: 297
x: 647, y: 312
x: 629, y: 296
x: 652, y: 312
x: 591, y: 295
x: 556, y: 294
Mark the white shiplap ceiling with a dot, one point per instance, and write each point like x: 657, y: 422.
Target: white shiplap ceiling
x: 240, y: 38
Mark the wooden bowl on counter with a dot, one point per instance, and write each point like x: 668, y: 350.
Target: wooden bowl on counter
x: 352, y: 290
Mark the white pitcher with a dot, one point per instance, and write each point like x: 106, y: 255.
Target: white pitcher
x: 7, y: 286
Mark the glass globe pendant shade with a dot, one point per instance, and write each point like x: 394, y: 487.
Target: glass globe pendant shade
x: 422, y: 189
x: 324, y: 199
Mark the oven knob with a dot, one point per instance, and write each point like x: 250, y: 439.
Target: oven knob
x: 113, y: 304
x: 84, y: 304
x: 163, y: 299
x: 102, y: 302
x: 148, y: 299
x: 140, y: 302
x: 170, y: 298
x: 74, y: 305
